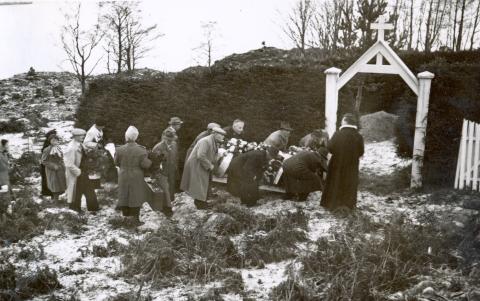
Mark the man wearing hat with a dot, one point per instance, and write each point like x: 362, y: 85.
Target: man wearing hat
x: 245, y: 173
x: 78, y: 183
x: 279, y: 138
x: 203, y: 134
x: 165, y: 169
x: 199, y: 166
x: 316, y: 137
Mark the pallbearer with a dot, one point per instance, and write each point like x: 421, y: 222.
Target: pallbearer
x: 303, y: 172
x: 279, y: 139
x: 203, y: 134
x: 199, y: 167
x: 245, y: 173
x: 235, y: 130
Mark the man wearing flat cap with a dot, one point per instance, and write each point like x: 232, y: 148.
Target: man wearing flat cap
x: 279, y: 139
x: 199, y: 166
x: 203, y: 134
x: 78, y: 183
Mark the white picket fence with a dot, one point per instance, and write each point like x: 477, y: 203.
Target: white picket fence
x: 468, y: 163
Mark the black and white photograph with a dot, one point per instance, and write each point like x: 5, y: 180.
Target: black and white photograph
x: 240, y: 150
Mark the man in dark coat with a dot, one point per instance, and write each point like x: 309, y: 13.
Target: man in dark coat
x: 302, y: 173
x: 279, y: 139
x: 245, y: 172
x: 346, y: 147
x: 235, y: 130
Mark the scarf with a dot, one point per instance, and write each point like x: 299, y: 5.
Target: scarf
x: 56, y: 150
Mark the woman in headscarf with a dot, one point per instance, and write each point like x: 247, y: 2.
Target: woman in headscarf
x: 132, y: 159
x: 52, y: 160
x: 45, y: 191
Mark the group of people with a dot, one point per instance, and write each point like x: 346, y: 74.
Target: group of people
x: 302, y: 173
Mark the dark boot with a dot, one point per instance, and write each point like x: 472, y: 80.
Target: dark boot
x: 302, y: 197
x: 167, y: 211
x: 201, y: 205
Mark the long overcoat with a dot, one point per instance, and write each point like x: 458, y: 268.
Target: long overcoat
x: 244, y: 175
x: 346, y: 147
x: 132, y: 159
x: 167, y: 164
x: 54, y: 170
x: 198, y: 168
x: 4, y: 167
x: 301, y: 172
x: 279, y: 139
x: 190, y: 148
x: 72, y: 159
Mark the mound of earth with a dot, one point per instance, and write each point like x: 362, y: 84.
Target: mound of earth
x: 378, y: 126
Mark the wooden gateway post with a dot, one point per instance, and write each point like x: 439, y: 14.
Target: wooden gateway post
x: 420, y: 86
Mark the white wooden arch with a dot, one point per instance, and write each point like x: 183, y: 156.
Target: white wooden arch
x: 420, y: 85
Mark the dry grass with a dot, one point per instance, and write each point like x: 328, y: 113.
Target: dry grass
x: 368, y: 264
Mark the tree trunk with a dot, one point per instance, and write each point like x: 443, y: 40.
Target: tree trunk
x: 427, y: 31
x: 120, y: 48
x: 410, y: 38
x: 455, y: 25
x: 358, y: 98
x: 460, y: 27
x: 475, y: 25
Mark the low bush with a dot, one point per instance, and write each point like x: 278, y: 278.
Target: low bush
x: 70, y: 222
x: 12, y: 126
x: 23, y: 167
x: 22, y: 223
x: 291, y: 290
x: 172, y: 255
x: 42, y: 281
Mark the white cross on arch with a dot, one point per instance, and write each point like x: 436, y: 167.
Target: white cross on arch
x: 381, y: 26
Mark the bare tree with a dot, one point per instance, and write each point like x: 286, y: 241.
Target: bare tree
x: 475, y: 24
x: 299, y: 24
x: 348, y: 34
x: 79, y: 45
x: 115, y: 21
x: 434, y: 22
x: 458, y: 46
x: 138, y: 38
x: 206, y: 48
x: 326, y: 25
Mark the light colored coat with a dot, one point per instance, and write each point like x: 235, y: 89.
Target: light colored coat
x: 132, y: 189
x: 54, y: 170
x: 72, y: 159
x: 199, y: 165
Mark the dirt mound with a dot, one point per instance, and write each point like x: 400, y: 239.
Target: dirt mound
x: 378, y: 126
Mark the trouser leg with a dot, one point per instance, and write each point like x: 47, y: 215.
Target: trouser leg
x: 85, y: 187
x: 163, y: 181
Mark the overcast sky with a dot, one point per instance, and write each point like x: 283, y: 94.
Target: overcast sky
x: 30, y: 34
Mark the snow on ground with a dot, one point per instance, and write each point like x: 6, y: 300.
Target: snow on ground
x: 380, y: 158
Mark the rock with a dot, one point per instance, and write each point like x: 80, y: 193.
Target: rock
x: 398, y: 296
